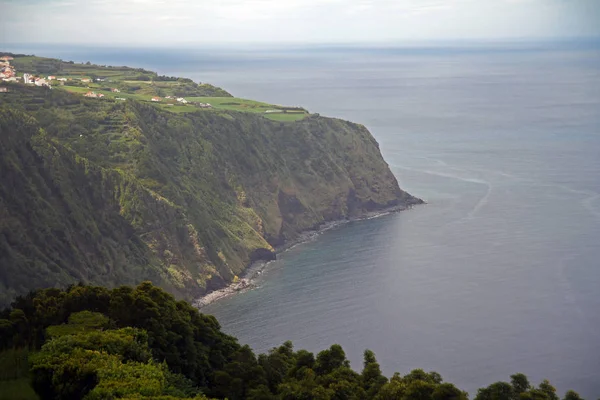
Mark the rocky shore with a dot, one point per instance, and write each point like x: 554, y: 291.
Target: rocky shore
x: 255, y: 269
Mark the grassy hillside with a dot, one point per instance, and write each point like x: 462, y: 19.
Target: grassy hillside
x: 113, y: 192
x: 65, y: 220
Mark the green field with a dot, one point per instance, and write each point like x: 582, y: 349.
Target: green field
x: 286, y: 117
x: 142, y: 85
x: 245, y: 105
x: 97, y: 89
x: 285, y: 114
x: 234, y: 104
x: 179, y: 108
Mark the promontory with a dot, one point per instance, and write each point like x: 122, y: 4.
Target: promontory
x: 115, y: 175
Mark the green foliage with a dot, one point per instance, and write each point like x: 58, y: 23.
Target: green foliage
x: 80, y: 322
x: 520, y: 383
x: 189, y: 342
x: 140, y: 343
x: 571, y: 395
x: 520, y: 389
x: 331, y: 359
x: 372, y: 377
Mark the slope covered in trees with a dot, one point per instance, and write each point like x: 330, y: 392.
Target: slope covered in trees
x: 113, y: 193
x: 95, y: 343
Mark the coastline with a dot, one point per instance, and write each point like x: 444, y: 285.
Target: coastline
x: 257, y: 267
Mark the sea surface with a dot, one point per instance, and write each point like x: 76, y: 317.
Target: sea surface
x: 500, y: 271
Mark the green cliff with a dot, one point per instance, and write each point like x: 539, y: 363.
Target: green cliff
x: 114, y: 192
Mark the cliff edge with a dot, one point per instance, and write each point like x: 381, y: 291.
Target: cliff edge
x: 109, y: 192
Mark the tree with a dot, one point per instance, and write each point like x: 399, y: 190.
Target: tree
x: 419, y: 390
x: 277, y: 363
x: 392, y: 390
x: 447, y: 391
x: 495, y: 391
x: 328, y: 360
x: 549, y: 390
x: 372, y: 378
x: 420, y: 375
x: 571, y: 395
x: 520, y: 383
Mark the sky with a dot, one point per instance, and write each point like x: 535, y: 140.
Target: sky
x: 160, y: 22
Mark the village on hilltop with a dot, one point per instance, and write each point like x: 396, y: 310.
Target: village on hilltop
x: 118, y: 84
x: 8, y: 73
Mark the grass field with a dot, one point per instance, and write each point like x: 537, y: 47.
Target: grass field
x: 234, y: 104
x: 245, y: 105
x: 96, y: 89
x: 286, y: 117
x: 285, y: 114
x: 179, y: 108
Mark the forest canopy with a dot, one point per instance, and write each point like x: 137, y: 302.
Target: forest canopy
x: 89, y: 342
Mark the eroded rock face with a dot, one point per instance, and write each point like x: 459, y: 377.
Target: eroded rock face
x: 187, y: 201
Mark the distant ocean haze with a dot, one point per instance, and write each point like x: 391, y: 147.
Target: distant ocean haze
x: 499, y: 273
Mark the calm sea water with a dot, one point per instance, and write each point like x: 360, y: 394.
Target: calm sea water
x: 500, y: 272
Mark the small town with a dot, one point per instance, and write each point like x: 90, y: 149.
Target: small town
x: 8, y: 73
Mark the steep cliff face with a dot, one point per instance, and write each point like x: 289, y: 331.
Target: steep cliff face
x: 113, y: 193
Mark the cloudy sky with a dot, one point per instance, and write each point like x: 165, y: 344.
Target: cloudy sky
x: 151, y: 22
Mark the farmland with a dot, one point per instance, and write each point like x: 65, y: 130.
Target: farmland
x: 177, y: 95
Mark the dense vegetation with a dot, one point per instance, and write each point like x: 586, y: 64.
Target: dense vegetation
x: 94, y: 343
x: 111, y: 193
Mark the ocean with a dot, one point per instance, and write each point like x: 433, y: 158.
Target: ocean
x: 500, y: 271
